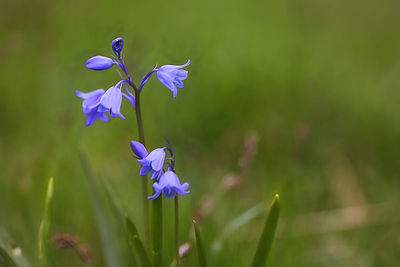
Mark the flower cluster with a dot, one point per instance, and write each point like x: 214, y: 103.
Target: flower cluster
x: 99, y: 103
x: 167, y: 182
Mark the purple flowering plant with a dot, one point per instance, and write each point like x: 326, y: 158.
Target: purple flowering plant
x: 159, y: 163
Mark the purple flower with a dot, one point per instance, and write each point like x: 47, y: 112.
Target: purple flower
x: 153, y: 162
x: 172, y: 76
x: 117, y: 44
x: 90, y: 106
x: 99, y: 63
x: 139, y: 149
x: 169, y: 185
x: 111, y: 101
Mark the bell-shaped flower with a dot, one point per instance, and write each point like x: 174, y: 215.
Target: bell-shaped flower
x: 90, y: 106
x: 153, y: 162
x: 169, y: 185
x: 139, y: 149
x: 99, y: 63
x: 172, y: 76
x: 111, y: 101
x: 117, y: 44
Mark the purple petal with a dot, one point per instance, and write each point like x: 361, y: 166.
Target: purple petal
x: 99, y: 63
x: 139, y: 149
x: 176, y: 66
x: 112, y: 100
x: 157, y: 190
x: 144, y: 170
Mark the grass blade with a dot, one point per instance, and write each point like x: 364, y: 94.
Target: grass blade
x: 5, y: 259
x: 156, y: 231
x: 109, y: 218
x: 265, y: 242
x: 135, y: 242
x: 44, y: 253
x: 199, y: 243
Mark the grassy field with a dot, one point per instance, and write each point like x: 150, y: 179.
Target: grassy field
x: 312, y: 85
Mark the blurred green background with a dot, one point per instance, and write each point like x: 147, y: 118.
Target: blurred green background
x: 317, y: 81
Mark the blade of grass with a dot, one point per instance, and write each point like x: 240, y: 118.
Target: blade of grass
x: 44, y: 254
x: 5, y: 259
x: 156, y: 231
x: 199, y: 243
x: 12, y: 249
x: 265, y: 242
x: 109, y: 219
x: 135, y: 243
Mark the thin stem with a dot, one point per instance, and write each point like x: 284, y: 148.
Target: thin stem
x: 178, y: 262
x: 145, y: 201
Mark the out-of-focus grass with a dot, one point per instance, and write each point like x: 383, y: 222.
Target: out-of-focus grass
x: 318, y: 81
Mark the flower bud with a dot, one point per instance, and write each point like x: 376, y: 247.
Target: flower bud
x: 99, y: 63
x: 117, y: 44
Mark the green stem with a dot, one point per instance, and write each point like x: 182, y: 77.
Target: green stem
x: 178, y: 262
x: 145, y: 201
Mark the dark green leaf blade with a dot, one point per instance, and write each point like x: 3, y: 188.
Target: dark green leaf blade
x: 5, y: 259
x: 200, y: 248
x: 135, y: 243
x: 44, y: 254
x: 265, y: 242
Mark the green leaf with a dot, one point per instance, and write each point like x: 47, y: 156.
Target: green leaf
x: 109, y: 218
x: 156, y: 231
x: 200, y: 249
x: 44, y: 254
x: 5, y: 259
x: 136, y: 243
x: 265, y: 242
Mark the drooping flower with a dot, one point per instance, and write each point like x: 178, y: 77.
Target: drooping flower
x: 117, y: 44
x: 152, y: 162
x: 169, y: 185
x: 111, y: 101
x: 139, y: 149
x: 90, y: 106
x: 172, y: 76
x: 99, y: 63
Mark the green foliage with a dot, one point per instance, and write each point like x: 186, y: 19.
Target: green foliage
x: 5, y: 259
x: 265, y: 242
x: 201, y: 254
x: 317, y: 80
x: 109, y: 220
x: 44, y: 238
x: 157, y: 231
x: 136, y: 244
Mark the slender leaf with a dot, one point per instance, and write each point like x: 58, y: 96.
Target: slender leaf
x: 233, y: 225
x: 44, y: 253
x: 156, y: 231
x: 136, y: 244
x: 109, y: 219
x: 265, y: 242
x: 200, y: 248
x: 9, y: 247
x: 5, y: 259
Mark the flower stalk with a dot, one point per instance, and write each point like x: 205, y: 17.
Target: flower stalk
x: 145, y: 202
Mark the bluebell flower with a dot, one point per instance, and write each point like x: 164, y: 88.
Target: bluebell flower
x: 169, y: 185
x: 90, y: 106
x: 172, y: 76
x: 99, y: 63
x: 139, y: 149
x: 111, y: 101
x: 152, y: 162
x: 117, y: 44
